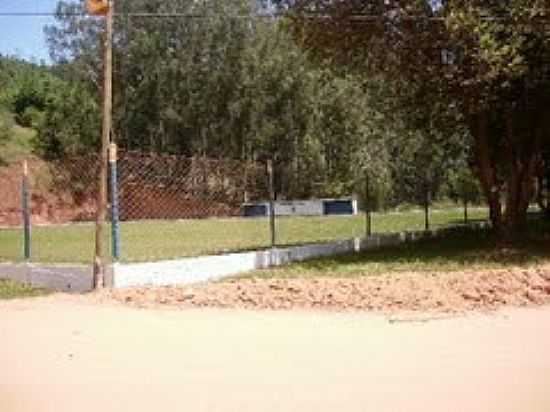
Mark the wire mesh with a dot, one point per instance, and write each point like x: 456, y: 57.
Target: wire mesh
x: 11, y: 214
x: 62, y: 210
x: 202, y: 90
x: 64, y: 193
x: 174, y: 206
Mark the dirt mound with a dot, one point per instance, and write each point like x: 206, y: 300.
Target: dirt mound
x: 445, y: 292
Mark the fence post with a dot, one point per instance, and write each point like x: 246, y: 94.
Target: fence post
x: 427, y: 208
x: 271, y: 182
x: 465, y: 210
x: 367, y: 205
x: 26, y: 208
x: 115, y: 212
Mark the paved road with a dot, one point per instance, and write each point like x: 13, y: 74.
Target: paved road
x: 57, y: 354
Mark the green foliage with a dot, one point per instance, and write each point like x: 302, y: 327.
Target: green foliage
x: 225, y: 87
x: 31, y: 117
x: 472, y: 65
x: 6, y: 125
x: 24, y: 87
x: 27, y: 100
x: 70, y: 123
x: 62, y: 110
x: 219, y: 87
x: 464, y: 186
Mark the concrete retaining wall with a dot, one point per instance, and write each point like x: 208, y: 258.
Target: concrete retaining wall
x: 198, y: 269
x: 207, y: 268
x: 62, y: 278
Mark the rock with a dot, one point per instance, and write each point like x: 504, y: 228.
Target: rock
x: 188, y: 294
x: 532, y: 296
x: 471, y: 296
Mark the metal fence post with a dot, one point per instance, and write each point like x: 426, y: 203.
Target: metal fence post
x: 26, y: 208
x: 367, y: 206
x: 465, y: 210
x: 271, y: 182
x: 427, y: 208
x: 115, y: 214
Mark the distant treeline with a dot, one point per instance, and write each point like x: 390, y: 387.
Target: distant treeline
x: 227, y: 87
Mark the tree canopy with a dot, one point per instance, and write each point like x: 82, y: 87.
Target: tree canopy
x: 248, y: 89
x: 223, y: 86
x: 478, y: 64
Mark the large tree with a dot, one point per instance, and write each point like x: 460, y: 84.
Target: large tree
x: 217, y: 85
x: 224, y: 85
x: 485, y: 62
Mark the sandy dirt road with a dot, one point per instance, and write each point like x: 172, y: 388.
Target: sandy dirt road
x: 61, y: 354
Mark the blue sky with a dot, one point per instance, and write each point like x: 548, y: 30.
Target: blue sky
x: 23, y: 36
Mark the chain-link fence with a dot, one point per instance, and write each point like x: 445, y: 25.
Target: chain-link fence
x: 175, y: 206
x: 205, y: 92
x: 11, y: 214
x: 48, y: 209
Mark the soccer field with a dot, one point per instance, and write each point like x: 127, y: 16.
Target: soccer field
x: 168, y: 239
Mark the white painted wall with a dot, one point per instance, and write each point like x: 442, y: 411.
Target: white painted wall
x: 207, y: 268
x: 303, y: 207
x: 299, y: 208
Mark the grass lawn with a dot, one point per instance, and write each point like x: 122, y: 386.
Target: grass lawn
x: 461, y: 251
x: 13, y: 290
x: 156, y: 240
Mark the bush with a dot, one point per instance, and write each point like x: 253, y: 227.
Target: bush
x: 6, y: 124
x: 31, y: 117
x: 463, y: 185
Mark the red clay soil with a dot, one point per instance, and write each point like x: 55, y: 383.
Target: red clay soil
x: 10, y: 191
x: 442, y: 292
x: 72, y: 197
x: 46, y: 207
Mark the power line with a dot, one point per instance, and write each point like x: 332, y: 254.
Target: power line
x: 32, y: 14
x: 155, y: 15
x: 352, y: 18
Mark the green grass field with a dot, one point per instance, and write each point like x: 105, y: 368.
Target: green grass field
x: 460, y: 251
x: 13, y: 290
x: 157, y: 240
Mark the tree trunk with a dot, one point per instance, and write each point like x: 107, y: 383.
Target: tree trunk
x: 521, y: 156
x: 543, y: 188
x: 519, y: 193
x: 522, y: 161
x: 486, y: 169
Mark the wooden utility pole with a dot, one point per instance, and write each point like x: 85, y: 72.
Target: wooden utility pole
x: 100, y: 246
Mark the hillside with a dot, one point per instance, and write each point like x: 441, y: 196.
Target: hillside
x: 25, y: 88
x: 18, y: 144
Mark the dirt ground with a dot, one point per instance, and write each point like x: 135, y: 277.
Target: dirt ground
x: 67, y: 353
x: 419, y: 292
